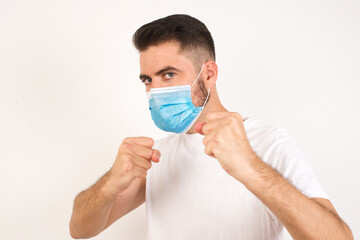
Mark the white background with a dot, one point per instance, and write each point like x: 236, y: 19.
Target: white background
x: 70, y: 93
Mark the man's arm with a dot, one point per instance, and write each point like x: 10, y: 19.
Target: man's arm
x: 91, y: 210
x: 226, y: 140
x: 127, y: 201
x: 105, y: 209
x: 118, y: 192
x: 303, y: 217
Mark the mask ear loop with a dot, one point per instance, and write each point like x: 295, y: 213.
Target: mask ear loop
x: 207, y: 97
x: 198, y: 75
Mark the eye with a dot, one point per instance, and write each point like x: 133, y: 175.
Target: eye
x: 146, y: 81
x: 169, y: 75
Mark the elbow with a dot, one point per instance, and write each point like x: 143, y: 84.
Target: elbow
x: 73, y: 233
x: 347, y: 231
x: 76, y: 233
x: 350, y: 235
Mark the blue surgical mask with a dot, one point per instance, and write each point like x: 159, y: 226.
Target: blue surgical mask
x: 172, y: 109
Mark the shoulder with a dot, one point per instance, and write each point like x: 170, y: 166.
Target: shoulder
x: 263, y: 137
x: 279, y: 150
x: 275, y: 146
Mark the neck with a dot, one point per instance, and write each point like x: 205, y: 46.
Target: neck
x: 212, y: 105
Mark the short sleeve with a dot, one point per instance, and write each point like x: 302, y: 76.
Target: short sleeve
x: 285, y: 156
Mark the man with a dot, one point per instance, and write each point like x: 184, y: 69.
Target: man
x: 221, y: 176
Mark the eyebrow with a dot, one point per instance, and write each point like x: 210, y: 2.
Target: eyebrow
x: 168, y: 68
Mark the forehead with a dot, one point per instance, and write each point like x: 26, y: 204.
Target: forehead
x: 164, y: 54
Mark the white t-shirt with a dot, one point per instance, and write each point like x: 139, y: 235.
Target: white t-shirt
x: 190, y: 197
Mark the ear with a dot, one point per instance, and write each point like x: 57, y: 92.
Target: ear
x: 210, y: 74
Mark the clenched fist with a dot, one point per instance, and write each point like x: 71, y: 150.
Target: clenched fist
x: 226, y: 140
x: 133, y: 160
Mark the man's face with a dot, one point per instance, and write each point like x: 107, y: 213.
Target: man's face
x: 164, y: 66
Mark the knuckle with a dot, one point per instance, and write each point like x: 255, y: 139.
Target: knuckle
x: 216, y: 139
x: 148, y: 165
x: 132, y: 176
x: 227, y: 121
x: 126, y: 157
x: 127, y: 140
x: 129, y: 167
x: 129, y: 176
x: 148, y: 154
x: 215, y: 150
x: 232, y: 118
x: 151, y: 141
x: 237, y: 115
x: 123, y: 147
x: 141, y: 174
x: 207, y: 150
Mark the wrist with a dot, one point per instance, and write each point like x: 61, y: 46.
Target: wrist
x: 107, y: 189
x: 248, y: 173
x: 260, y: 176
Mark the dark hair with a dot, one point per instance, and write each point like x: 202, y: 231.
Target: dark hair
x: 191, y: 33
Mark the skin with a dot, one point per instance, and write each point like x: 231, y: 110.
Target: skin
x: 122, y: 188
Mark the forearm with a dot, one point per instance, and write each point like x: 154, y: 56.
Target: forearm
x: 91, y: 210
x: 302, y: 217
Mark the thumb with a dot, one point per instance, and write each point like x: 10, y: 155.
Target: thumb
x: 198, y: 127
x: 155, y: 155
